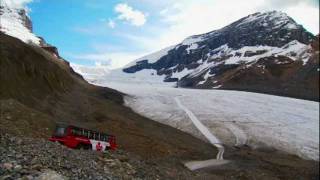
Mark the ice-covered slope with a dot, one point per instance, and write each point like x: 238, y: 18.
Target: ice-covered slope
x: 91, y: 73
x: 14, y: 21
x: 151, y: 58
x: 236, y: 118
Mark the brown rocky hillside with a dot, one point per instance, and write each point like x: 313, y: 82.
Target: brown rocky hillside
x: 38, y: 90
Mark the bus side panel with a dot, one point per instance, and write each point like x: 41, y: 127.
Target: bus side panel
x: 71, y: 142
x: 112, y: 142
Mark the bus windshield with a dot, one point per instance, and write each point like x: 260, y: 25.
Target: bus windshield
x: 60, y: 131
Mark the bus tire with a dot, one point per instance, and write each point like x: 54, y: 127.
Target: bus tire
x: 84, y: 146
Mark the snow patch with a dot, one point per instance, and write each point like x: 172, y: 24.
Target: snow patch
x: 276, y: 18
x: 205, y: 77
x: 11, y: 23
x: 294, y: 50
x: 91, y: 73
x: 181, y: 74
x: 217, y: 87
x: 192, y: 47
x: 152, y: 58
x: 192, y: 40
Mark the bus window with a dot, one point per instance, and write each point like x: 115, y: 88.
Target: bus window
x: 97, y: 136
x: 90, y: 135
x: 73, y: 131
x: 85, y: 133
x: 77, y: 132
x: 60, y: 131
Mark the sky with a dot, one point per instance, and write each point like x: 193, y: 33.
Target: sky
x: 114, y: 32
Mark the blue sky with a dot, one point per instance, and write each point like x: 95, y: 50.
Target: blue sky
x: 115, y: 32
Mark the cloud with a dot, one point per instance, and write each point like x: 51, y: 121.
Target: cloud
x: 127, y: 13
x: 289, y: 3
x: 106, y: 64
x: 16, y: 3
x: 112, y: 60
x: 305, y: 12
x: 308, y: 16
x: 111, y: 23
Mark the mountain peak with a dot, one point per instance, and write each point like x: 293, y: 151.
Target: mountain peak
x: 271, y: 28
x: 272, y: 19
x: 261, y: 48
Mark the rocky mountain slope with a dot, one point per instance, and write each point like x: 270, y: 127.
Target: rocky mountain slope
x: 263, y: 52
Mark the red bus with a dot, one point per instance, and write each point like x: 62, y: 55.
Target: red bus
x: 75, y: 137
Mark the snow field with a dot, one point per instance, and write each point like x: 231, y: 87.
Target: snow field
x: 236, y: 118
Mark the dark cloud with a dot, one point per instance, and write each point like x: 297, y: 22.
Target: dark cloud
x: 289, y: 3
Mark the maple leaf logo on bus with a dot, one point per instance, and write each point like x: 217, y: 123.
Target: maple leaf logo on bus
x: 99, y: 147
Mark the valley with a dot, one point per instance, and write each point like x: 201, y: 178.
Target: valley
x: 239, y: 102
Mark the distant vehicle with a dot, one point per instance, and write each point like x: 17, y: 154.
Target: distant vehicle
x: 75, y: 137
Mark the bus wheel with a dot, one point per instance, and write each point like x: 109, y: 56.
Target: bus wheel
x: 81, y: 146
x: 88, y: 146
x: 84, y: 146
